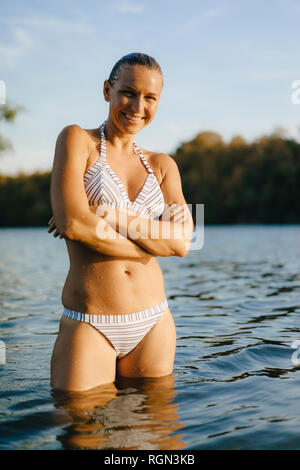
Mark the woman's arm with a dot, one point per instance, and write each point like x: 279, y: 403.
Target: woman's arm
x: 170, y: 236
x: 160, y: 237
x: 72, y: 216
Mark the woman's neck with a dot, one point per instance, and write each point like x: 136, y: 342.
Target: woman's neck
x: 119, y: 140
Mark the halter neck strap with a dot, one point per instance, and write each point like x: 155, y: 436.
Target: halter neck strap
x: 103, y: 148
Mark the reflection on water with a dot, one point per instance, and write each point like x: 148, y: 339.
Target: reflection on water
x: 132, y: 414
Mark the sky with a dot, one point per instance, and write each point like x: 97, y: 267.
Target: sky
x: 228, y: 67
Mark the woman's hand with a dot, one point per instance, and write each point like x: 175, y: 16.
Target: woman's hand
x: 93, y: 209
x: 52, y: 228
x: 175, y: 213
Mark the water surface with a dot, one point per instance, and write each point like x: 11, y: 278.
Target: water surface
x: 236, y: 305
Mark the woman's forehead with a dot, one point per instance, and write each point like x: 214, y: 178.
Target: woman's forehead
x: 140, y: 76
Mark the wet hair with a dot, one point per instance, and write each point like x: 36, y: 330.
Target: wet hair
x: 129, y: 60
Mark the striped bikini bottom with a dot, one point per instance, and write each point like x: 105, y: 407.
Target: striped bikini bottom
x: 123, y: 331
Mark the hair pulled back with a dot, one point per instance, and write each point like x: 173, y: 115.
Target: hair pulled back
x: 129, y: 60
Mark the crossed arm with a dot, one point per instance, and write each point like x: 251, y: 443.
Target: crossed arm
x: 110, y: 231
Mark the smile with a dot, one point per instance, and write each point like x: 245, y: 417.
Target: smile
x: 132, y: 118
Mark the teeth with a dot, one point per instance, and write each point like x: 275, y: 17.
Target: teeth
x: 132, y: 118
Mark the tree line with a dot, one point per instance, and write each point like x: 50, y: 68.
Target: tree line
x: 238, y: 182
x: 242, y: 182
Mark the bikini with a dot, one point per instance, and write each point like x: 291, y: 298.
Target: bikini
x: 104, y: 187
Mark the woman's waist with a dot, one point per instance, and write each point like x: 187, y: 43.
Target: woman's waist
x: 111, y: 300
x: 97, y: 291
x: 112, y: 282
x: 112, y: 269
x: 119, y: 317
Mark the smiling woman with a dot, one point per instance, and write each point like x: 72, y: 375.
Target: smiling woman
x: 116, y: 319
x: 132, y: 92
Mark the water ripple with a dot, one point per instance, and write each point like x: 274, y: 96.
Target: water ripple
x: 236, y: 306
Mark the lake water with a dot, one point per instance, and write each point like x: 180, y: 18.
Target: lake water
x: 236, y: 305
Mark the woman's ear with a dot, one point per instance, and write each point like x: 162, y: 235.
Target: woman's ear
x: 106, y: 90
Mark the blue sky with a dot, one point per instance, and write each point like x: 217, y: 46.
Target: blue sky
x: 228, y: 67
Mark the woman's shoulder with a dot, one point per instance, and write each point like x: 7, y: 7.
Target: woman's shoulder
x: 76, y: 144
x: 74, y: 131
x: 159, y: 161
x: 76, y: 137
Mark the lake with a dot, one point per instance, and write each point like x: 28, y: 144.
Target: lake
x: 236, y: 379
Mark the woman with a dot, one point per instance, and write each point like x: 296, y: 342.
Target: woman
x: 116, y: 318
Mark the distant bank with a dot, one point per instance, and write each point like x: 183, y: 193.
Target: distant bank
x: 238, y: 182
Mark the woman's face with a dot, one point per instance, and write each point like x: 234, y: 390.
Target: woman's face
x: 133, y: 98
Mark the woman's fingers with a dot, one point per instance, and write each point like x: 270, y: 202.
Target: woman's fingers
x: 51, y: 224
x: 57, y: 234
x: 52, y: 228
x: 93, y: 209
x: 179, y: 218
x: 171, y: 210
x: 177, y: 213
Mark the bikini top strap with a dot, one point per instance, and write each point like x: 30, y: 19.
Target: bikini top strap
x: 103, y: 149
x: 102, y: 142
x: 142, y: 158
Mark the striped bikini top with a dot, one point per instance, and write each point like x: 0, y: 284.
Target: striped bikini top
x: 104, y: 187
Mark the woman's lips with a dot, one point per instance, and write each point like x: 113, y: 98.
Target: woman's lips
x: 132, y: 118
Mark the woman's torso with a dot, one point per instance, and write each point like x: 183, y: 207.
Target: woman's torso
x: 100, y: 284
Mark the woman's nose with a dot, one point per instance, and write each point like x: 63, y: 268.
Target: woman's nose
x: 137, y: 105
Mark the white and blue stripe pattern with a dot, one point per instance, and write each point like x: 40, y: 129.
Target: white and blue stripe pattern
x: 104, y: 187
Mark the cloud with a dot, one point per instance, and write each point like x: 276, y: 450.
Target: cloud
x: 192, y: 23
x: 53, y: 24
x: 214, y: 12
x: 46, y: 23
x: 126, y: 6
x: 23, y: 33
x: 22, y: 42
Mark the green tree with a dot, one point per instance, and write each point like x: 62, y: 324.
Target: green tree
x: 7, y: 114
x: 241, y: 182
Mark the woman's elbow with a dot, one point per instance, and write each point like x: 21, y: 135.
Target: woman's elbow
x: 183, y: 242
x: 182, y: 252
x: 181, y: 248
